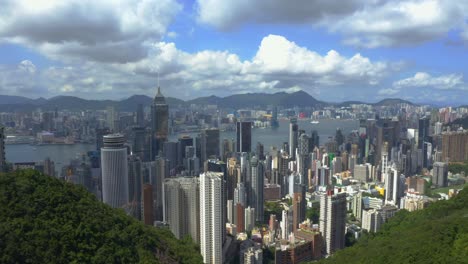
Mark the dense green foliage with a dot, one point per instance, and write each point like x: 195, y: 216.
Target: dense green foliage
x: 313, y: 214
x: 458, y: 168
x: 437, y: 234
x: 45, y: 220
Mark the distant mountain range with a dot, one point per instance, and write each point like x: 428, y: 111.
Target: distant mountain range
x: 250, y: 100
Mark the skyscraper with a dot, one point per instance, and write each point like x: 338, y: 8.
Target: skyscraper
x: 314, y: 140
x: 256, y: 188
x: 293, y: 130
x: 2, y: 150
x: 140, y: 116
x: 249, y: 218
x: 244, y: 136
x: 299, y: 205
x: 148, y: 218
x: 332, y: 220
x: 274, y: 117
x: 111, y: 118
x: 211, y: 221
x: 423, y: 131
x: 394, y: 186
x: 135, y: 184
x: 209, y: 144
x: 140, y: 140
x: 183, y: 142
x: 159, y: 123
x: 440, y: 174
x: 100, y: 132
x: 114, y: 171
x: 303, y: 158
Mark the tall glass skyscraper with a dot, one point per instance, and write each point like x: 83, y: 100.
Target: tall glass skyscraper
x: 244, y: 136
x: 159, y: 123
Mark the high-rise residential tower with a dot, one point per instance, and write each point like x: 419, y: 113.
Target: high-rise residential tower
x: 182, y: 207
x: 332, y: 220
x: 114, y: 171
x: 211, y: 220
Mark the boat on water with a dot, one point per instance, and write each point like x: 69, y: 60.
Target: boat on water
x: 314, y: 122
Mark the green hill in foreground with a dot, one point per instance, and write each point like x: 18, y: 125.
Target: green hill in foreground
x: 45, y: 220
x: 437, y: 234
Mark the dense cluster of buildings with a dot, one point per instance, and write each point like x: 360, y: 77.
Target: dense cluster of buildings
x: 217, y: 191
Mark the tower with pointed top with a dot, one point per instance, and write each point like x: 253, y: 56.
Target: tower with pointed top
x: 159, y: 123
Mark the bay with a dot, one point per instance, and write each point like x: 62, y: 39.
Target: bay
x: 62, y: 154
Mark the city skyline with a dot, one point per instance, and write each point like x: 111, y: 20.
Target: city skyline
x: 358, y: 51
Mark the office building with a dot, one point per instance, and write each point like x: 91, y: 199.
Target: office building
x: 244, y: 136
x: 211, y: 221
x: 114, y: 168
x: 209, y: 144
x: 423, y: 131
x: 440, y: 174
x: 135, y: 185
x: 249, y: 219
x: 256, y: 187
x: 182, y: 144
x: 2, y: 150
x: 100, y: 133
x: 140, y: 116
x: 170, y: 153
x: 159, y: 123
x: 299, y: 205
x: 140, y: 141
x: 361, y: 172
x: 293, y: 136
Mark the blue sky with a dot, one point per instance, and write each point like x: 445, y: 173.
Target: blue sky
x: 334, y: 50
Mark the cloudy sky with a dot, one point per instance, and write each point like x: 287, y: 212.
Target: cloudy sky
x: 335, y: 50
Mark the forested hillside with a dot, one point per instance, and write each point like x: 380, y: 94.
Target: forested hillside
x: 437, y: 234
x: 45, y: 220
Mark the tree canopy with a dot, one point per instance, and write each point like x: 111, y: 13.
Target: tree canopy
x: 437, y: 234
x: 45, y: 220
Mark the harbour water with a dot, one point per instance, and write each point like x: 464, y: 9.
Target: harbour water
x: 62, y: 154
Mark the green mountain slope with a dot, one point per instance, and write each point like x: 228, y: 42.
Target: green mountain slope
x: 437, y: 234
x: 45, y: 220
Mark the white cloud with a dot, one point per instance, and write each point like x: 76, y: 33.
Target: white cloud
x: 229, y: 14
x: 108, y: 31
x: 27, y: 66
x: 278, y: 65
x: 367, y: 24
x: 423, y: 79
x: 400, y: 22
x: 172, y: 34
x: 388, y: 91
x: 278, y: 55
